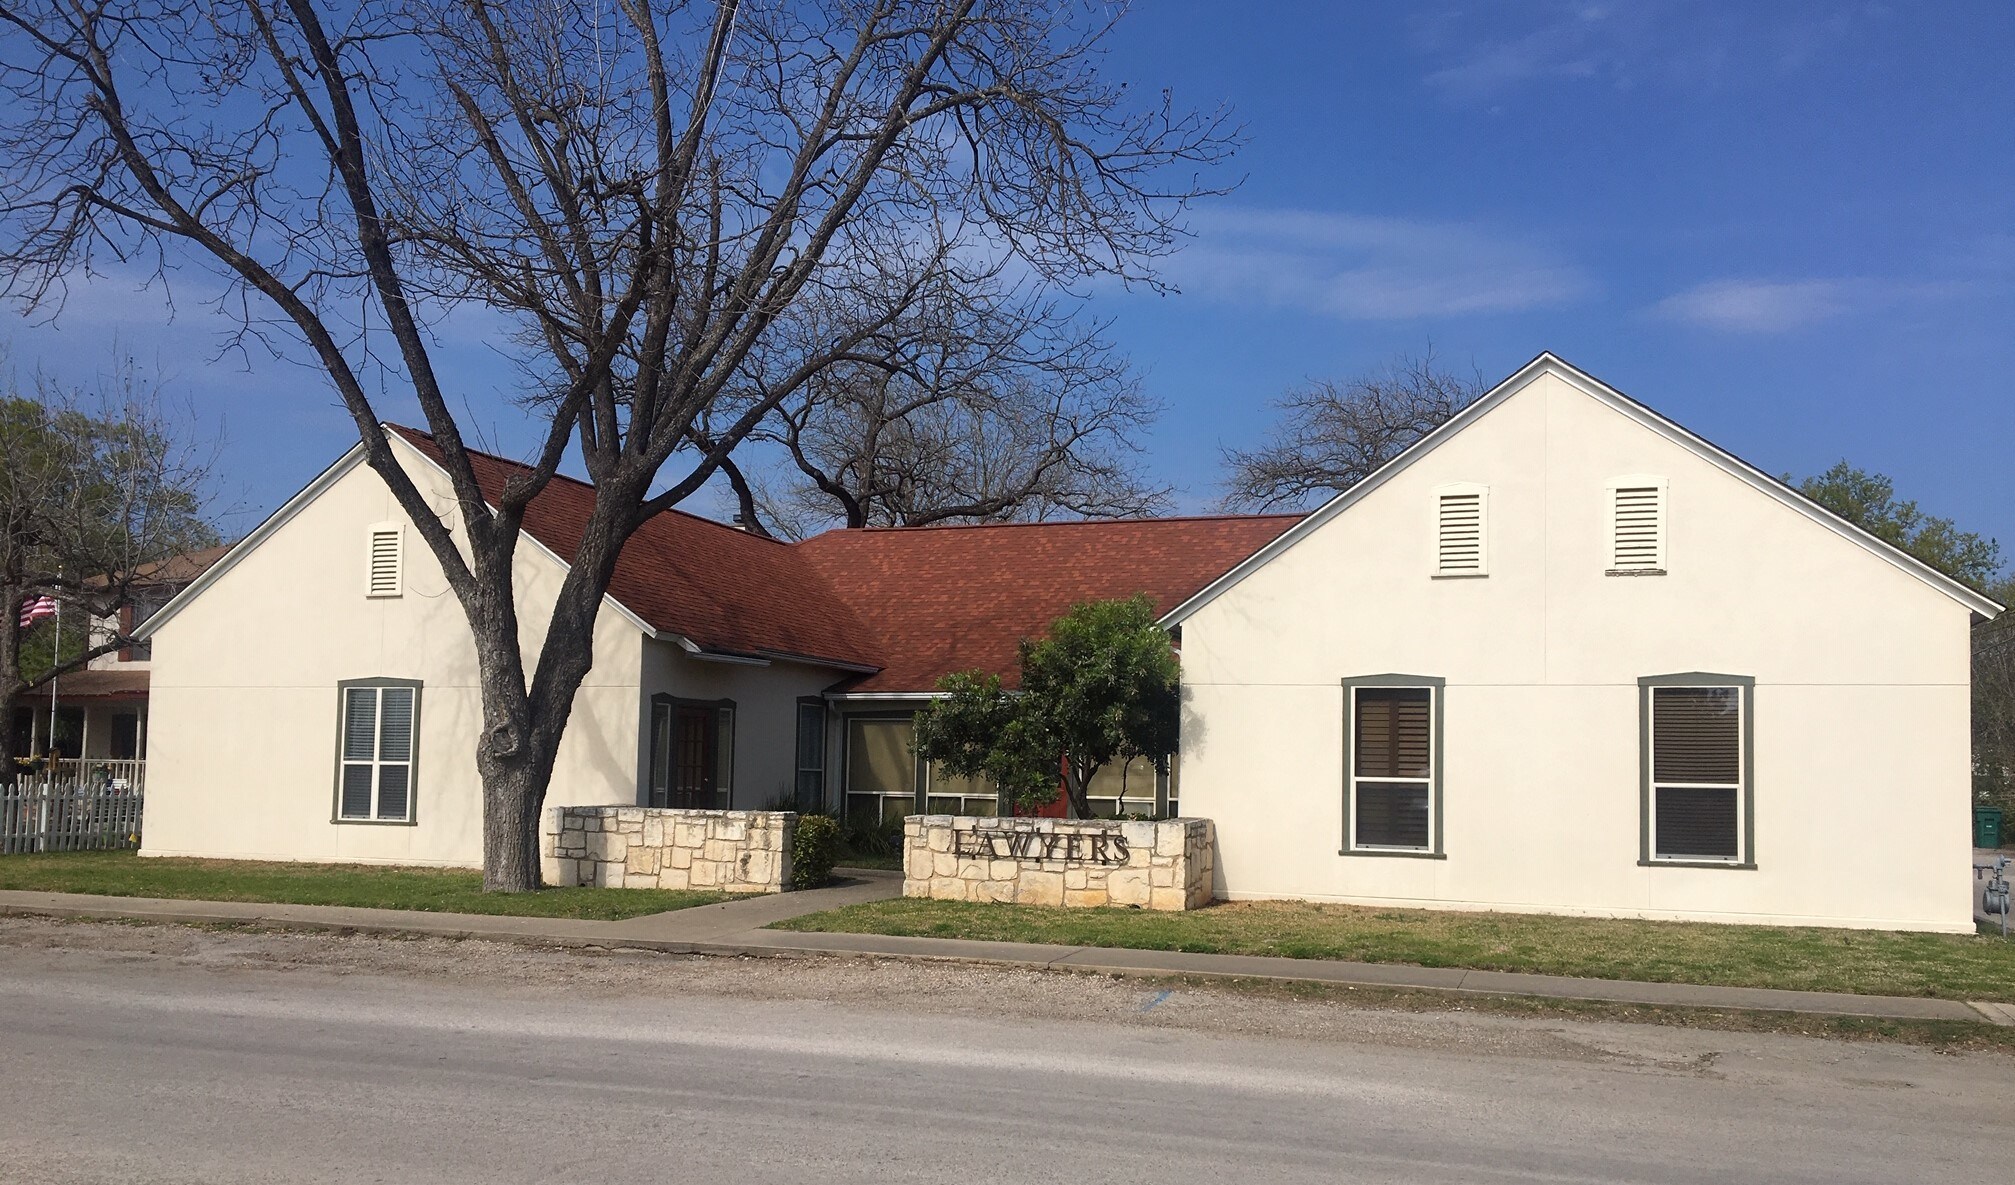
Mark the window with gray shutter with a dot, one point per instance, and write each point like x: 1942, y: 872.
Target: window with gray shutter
x: 377, y: 744
x: 1696, y: 771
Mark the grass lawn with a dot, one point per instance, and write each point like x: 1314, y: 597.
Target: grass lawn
x: 1884, y: 963
x: 436, y: 890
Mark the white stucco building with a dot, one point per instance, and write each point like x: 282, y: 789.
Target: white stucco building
x: 1560, y: 656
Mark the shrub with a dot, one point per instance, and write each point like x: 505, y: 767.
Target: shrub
x: 815, y: 846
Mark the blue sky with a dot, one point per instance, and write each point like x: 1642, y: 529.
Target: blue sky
x: 1791, y: 227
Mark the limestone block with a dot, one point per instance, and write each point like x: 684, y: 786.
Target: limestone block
x: 732, y: 830
x: 718, y: 849
x: 591, y: 823
x: 1002, y: 870
x: 948, y: 888
x: 944, y: 864
x: 1085, y: 898
x: 1170, y: 841
x: 1168, y: 899
x: 1039, y: 887
x: 610, y: 876
x: 654, y: 831
x: 688, y: 833
x: 1127, y: 886
x: 679, y: 857
x: 1002, y: 891
x: 917, y: 865
x: 673, y: 878
x: 759, y: 869
x: 1139, y: 836
x: 569, y: 821
x: 704, y: 874
x: 1161, y: 878
x: 941, y: 839
x: 1075, y: 878
x: 642, y: 861
x: 629, y: 814
x: 915, y: 888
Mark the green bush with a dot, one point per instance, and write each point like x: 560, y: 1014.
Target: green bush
x: 815, y: 846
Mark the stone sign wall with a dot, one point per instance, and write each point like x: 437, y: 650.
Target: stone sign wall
x: 1164, y: 865
x: 639, y: 847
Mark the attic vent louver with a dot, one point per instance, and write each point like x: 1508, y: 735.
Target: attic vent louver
x: 1461, y: 530
x: 386, y: 577
x: 1637, y: 525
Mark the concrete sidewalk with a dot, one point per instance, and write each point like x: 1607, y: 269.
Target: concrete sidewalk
x: 736, y: 928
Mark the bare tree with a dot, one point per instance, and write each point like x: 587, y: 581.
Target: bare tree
x: 94, y: 491
x: 652, y: 192
x: 1332, y: 435
x: 977, y: 404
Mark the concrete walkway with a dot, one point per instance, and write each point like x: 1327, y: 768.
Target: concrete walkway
x: 736, y: 928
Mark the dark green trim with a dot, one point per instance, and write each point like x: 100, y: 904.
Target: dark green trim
x: 1747, y: 684
x: 412, y: 818
x: 1439, y: 688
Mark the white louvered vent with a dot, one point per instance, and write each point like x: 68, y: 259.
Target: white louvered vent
x: 1637, y: 525
x: 387, y: 578
x: 1461, y: 542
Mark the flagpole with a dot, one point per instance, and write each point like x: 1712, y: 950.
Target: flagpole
x: 54, y: 770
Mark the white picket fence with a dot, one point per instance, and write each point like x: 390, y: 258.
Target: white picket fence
x: 67, y: 815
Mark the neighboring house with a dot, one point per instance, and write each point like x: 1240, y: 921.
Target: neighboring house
x: 101, y: 711
x: 1561, y: 655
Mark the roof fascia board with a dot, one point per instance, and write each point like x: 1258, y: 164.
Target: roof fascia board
x: 1547, y: 363
x: 868, y: 697
x: 623, y: 611
x: 339, y: 469
x: 760, y: 658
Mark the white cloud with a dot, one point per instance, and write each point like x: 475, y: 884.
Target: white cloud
x: 1359, y: 267
x: 1761, y: 306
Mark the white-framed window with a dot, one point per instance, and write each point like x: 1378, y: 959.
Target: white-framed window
x: 1139, y: 786
x: 1637, y: 525
x: 1461, y: 529
x: 386, y: 576
x: 1392, y: 759
x: 377, y: 748
x: 1697, y: 800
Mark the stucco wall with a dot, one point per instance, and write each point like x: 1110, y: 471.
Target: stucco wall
x: 244, y: 711
x: 1861, y: 701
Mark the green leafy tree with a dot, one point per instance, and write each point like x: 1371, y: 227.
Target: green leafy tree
x: 1102, y: 687
x: 1869, y: 501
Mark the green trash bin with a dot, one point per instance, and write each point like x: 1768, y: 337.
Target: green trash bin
x: 1986, y: 826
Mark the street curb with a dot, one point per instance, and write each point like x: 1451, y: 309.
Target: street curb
x: 1085, y: 960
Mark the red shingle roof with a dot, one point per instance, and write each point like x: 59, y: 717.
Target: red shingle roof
x: 913, y: 603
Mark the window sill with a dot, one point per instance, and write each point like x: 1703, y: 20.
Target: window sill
x: 375, y: 822
x: 1696, y: 864
x: 1635, y: 572
x: 1459, y: 576
x: 1402, y: 853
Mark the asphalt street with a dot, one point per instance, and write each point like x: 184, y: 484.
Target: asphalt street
x: 171, y: 1062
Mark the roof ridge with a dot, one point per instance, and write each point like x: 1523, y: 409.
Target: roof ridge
x: 587, y: 485
x: 1062, y: 522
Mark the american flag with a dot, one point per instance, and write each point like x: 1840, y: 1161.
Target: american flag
x: 35, y: 609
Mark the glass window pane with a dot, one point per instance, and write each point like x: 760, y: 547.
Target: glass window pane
x: 938, y: 805
x: 864, y: 808
x: 356, y: 792
x: 944, y: 782
x: 360, y: 724
x: 1392, y: 814
x: 395, y: 726
x: 1394, y: 732
x: 981, y: 807
x: 880, y: 757
x: 1697, y: 824
x: 1696, y: 734
x: 1135, y: 779
x: 392, y: 785
x: 896, y: 806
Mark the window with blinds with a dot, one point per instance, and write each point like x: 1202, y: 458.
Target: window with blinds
x: 1391, y: 768
x: 387, y: 559
x: 1637, y: 525
x: 1461, y: 543
x: 378, y: 739
x: 1696, y: 773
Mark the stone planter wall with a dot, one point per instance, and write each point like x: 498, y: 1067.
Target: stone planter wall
x: 1164, y: 865
x: 635, y: 847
